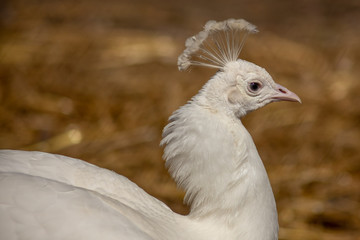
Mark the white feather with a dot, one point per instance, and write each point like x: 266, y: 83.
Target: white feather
x: 218, y: 44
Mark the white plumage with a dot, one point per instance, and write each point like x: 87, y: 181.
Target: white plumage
x: 208, y: 152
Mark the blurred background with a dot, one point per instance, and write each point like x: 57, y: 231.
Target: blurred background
x: 97, y: 80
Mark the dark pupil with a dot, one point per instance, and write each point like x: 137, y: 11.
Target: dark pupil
x: 254, y: 86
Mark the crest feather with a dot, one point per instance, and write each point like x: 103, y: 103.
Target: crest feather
x: 215, y: 46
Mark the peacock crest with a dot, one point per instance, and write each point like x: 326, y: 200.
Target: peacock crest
x: 215, y: 46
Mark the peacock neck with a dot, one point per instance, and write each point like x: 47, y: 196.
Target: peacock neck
x: 213, y: 158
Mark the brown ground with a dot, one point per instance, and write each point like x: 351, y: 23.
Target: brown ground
x: 97, y: 80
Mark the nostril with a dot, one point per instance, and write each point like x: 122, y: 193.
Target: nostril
x: 282, y: 90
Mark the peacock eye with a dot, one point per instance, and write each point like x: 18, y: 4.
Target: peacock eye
x: 254, y: 86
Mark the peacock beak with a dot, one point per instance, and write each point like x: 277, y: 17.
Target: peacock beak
x: 284, y: 94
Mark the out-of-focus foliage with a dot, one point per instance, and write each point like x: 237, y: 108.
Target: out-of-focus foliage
x: 97, y: 80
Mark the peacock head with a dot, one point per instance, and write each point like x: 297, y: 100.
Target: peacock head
x: 239, y: 86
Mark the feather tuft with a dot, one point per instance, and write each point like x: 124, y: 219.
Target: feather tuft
x: 218, y: 44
